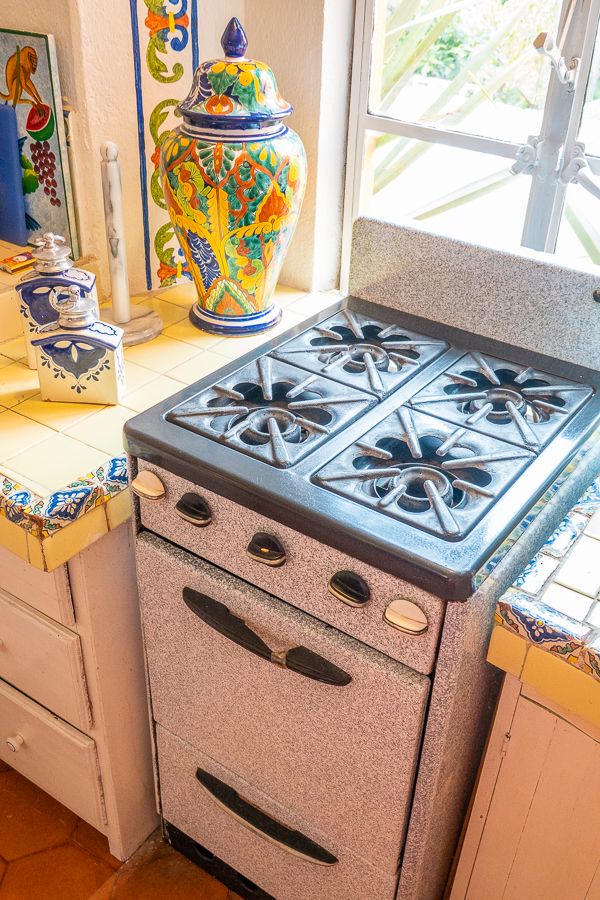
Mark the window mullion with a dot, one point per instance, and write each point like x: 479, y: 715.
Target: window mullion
x: 560, y: 123
x: 462, y: 139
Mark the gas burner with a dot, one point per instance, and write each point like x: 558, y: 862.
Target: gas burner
x: 515, y: 403
x: 425, y: 472
x: 272, y: 411
x: 363, y: 352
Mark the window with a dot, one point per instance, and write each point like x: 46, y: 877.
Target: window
x: 461, y: 122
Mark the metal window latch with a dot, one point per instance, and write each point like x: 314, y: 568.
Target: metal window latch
x: 577, y: 172
x: 546, y: 45
x: 526, y: 157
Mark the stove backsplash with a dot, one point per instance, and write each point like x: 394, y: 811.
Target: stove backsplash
x: 527, y: 300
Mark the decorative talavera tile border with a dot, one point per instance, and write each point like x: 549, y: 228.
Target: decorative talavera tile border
x: 44, y: 516
x: 521, y: 609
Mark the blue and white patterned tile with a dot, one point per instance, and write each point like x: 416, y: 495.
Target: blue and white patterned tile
x: 590, y: 501
x: 545, y: 627
x: 559, y: 543
x: 533, y: 578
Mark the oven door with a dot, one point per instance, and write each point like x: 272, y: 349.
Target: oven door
x: 324, y: 725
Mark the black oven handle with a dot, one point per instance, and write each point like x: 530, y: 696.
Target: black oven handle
x: 298, y: 659
x: 262, y: 824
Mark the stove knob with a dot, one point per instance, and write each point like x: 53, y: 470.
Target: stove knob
x: 148, y: 486
x: 350, y: 588
x: 265, y: 548
x: 406, y: 616
x: 194, y: 509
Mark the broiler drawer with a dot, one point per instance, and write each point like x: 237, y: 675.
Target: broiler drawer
x: 287, y: 857
x: 58, y: 758
x: 304, y: 578
x: 331, y: 731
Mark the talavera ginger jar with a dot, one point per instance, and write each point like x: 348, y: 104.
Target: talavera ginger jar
x: 233, y: 176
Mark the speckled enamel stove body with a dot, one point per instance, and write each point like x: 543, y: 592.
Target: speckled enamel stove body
x: 304, y: 745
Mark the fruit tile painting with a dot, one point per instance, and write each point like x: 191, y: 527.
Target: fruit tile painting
x: 29, y: 85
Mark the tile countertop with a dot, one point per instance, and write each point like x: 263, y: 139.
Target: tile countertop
x: 63, y: 478
x: 547, y: 625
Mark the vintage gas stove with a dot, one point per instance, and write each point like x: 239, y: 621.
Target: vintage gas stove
x: 323, y: 529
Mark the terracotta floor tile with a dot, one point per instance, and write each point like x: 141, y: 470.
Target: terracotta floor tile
x: 158, y: 871
x: 4, y: 767
x: 105, y: 892
x: 3, y: 866
x: 64, y: 873
x: 95, y: 843
x: 30, y: 820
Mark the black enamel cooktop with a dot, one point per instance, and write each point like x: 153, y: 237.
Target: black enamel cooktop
x: 403, y: 442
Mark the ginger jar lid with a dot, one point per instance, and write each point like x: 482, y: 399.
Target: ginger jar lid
x: 233, y: 92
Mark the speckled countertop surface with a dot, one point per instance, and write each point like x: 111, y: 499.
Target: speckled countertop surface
x: 63, y: 480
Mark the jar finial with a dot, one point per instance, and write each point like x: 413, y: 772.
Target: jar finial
x: 234, y: 40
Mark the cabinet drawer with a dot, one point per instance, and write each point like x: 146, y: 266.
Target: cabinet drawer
x: 307, y: 715
x: 48, y: 592
x: 247, y: 837
x: 54, y: 755
x: 43, y: 659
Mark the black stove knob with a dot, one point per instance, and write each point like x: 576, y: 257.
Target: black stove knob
x: 194, y: 509
x: 265, y: 548
x: 350, y: 588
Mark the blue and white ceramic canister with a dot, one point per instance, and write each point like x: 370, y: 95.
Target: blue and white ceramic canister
x: 79, y: 359
x: 53, y: 270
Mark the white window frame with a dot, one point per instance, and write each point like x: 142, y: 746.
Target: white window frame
x: 557, y: 139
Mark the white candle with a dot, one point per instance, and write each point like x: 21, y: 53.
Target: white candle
x: 115, y: 232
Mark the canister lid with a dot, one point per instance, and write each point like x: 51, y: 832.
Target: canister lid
x: 233, y: 91
x: 51, y: 254
x: 74, y: 310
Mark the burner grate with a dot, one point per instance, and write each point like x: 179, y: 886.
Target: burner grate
x: 425, y: 472
x: 272, y: 411
x: 514, y: 403
x: 360, y: 351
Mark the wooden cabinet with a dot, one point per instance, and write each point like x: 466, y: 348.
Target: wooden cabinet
x: 73, y: 707
x: 531, y: 833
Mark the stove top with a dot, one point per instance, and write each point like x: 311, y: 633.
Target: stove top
x: 389, y: 437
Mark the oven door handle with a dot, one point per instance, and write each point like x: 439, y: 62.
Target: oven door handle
x: 297, y: 659
x: 261, y: 823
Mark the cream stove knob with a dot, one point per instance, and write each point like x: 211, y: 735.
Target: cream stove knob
x: 148, y: 486
x: 406, y: 616
x: 14, y: 743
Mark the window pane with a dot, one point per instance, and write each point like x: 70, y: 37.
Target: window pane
x: 579, y: 236
x: 463, y: 65
x: 589, y: 131
x: 466, y: 195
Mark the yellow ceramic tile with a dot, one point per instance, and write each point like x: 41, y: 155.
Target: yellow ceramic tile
x: 310, y: 304
x: 55, y: 415
x: 146, y: 396
x: 17, y: 383
x: 507, y: 651
x: 68, y: 541
x: 563, y: 683
x: 185, y: 331
x: 592, y: 529
x: 285, y: 295
x: 196, y: 368
x: 57, y: 461
x: 14, y: 349
x: 169, y: 312
x: 10, y: 320
x: 28, y: 483
x: 4, y: 360
x: 181, y: 295
x: 36, y: 555
x: 13, y: 538
x: 160, y: 354
x: 581, y: 572
x: 566, y: 601
x: 103, y: 430
x: 233, y: 348
x: 18, y: 433
x: 118, y: 509
x: 141, y: 297
x: 136, y: 376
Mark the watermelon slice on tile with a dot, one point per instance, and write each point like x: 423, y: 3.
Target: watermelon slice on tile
x: 40, y: 123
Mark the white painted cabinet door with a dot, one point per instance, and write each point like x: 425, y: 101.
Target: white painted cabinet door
x: 539, y: 841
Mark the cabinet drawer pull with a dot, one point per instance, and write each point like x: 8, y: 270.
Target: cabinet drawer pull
x: 266, y: 549
x: 148, y: 486
x: 14, y: 743
x: 261, y: 823
x: 297, y: 659
x: 194, y: 509
x: 350, y: 588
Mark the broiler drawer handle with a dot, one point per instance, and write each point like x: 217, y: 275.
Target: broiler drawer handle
x: 298, y: 659
x: 262, y: 824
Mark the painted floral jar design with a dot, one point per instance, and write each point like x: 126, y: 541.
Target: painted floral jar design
x: 233, y: 175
